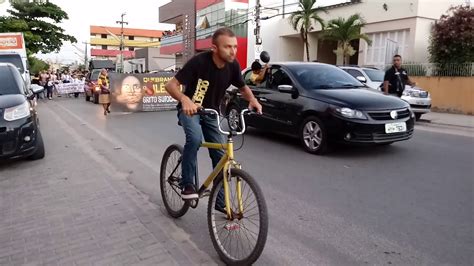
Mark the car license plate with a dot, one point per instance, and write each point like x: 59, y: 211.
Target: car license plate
x: 421, y: 103
x: 395, y: 127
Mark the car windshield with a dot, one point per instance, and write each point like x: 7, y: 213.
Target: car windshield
x: 375, y: 74
x: 10, y: 82
x: 13, y: 59
x: 318, y: 76
x: 95, y: 74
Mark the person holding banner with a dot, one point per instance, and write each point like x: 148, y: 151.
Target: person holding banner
x: 104, y: 97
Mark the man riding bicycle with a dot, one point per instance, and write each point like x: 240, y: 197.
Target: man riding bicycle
x: 206, y: 77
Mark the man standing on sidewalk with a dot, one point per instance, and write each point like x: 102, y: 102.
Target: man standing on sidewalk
x: 396, y: 78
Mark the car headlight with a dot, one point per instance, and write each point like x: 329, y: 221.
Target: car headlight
x: 17, y: 112
x: 351, y: 113
x: 97, y: 88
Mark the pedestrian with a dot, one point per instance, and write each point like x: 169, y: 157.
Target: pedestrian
x: 396, y: 78
x: 36, y: 81
x: 104, y: 97
x: 49, y: 86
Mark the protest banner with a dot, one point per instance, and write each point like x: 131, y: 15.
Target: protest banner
x: 141, y: 92
x: 66, y: 88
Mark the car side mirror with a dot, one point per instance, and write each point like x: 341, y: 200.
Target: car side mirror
x: 286, y: 88
x: 36, y: 88
x: 361, y: 79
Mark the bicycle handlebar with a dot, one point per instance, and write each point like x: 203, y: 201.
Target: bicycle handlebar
x: 206, y: 111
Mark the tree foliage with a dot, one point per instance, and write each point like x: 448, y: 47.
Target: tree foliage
x: 37, y: 65
x: 452, y: 37
x: 344, y: 31
x: 302, y: 20
x: 38, y: 22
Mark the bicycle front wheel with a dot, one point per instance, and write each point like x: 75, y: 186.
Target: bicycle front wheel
x: 240, y: 239
x: 170, y: 177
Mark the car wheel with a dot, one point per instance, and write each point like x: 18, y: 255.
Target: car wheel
x: 313, y: 136
x: 39, y: 153
x: 96, y: 98
x: 88, y: 98
x: 418, y: 116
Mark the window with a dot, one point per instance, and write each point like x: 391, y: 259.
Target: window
x: 385, y: 45
x: 354, y: 73
x: 12, y: 84
x: 279, y: 77
x: 131, y: 48
x: 104, y: 47
x: 103, y: 36
x: 131, y: 38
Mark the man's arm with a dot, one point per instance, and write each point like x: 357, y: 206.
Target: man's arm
x: 173, y: 87
x: 262, y: 74
x: 253, y: 102
x: 385, y: 86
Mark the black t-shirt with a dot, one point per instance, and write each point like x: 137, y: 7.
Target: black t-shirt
x: 205, y: 83
x: 397, y: 80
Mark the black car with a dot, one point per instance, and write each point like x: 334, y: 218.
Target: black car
x: 19, y: 127
x: 320, y: 103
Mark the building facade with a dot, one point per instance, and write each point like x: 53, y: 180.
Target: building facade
x: 105, y: 41
x: 195, y: 23
x: 395, y: 27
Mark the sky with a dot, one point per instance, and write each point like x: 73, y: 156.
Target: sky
x: 142, y: 14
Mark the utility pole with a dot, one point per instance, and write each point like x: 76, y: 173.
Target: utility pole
x: 121, y: 41
x: 85, y: 56
x: 258, y: 38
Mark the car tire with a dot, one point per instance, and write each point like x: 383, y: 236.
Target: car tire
x: 313, y: 136
x: 96, y: 98
x: 88, y: 98
x: 418, y: 116
x: 40, y: 152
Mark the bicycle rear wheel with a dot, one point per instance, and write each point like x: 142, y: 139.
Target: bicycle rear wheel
x: 241, y: 239
x: 170, y: 177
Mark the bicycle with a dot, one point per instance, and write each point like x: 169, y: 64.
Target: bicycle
x: 245, y: 218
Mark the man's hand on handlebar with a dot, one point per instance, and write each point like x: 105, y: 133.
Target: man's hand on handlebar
x: 254, y: 105
x: 189, y: 108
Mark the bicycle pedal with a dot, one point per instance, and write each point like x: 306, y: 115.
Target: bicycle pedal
x: 205, y: 193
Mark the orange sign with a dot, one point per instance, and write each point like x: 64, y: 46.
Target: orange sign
x: 10, y: 42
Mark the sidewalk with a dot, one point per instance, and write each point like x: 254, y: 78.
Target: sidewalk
x: 446, y: 119
x: 72, y: 208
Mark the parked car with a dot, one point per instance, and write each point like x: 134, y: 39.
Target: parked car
x: 320, y: 104
x: 20, y: 134
x: 91, y: 89
x: 419, y: 99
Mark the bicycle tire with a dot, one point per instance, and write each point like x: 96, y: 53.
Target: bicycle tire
x: 215, y: 226
x: 182, y: 206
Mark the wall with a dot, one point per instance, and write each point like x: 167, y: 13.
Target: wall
x: 451, y: 94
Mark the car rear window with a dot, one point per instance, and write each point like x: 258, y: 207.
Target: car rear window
x: 95, y: 74
x: 10, y: 81
x: 13, y: 59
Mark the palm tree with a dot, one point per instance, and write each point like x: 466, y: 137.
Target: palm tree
x: 302, y: 19
x: 344, y: 31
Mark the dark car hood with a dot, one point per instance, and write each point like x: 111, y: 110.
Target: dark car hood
x: 10, y: 100
x: 361, y: 99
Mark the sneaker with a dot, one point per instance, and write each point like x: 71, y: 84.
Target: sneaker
x: 189, y: 193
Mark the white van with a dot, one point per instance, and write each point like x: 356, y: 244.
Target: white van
x: 13, y: 51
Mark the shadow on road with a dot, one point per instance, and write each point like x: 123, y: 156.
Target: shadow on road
x: 337, y: 150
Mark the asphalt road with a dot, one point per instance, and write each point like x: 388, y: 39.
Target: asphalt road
x: 404, y: 204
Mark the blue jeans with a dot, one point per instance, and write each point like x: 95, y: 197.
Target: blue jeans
x: 195, y: 127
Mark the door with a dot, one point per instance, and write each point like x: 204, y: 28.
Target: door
x: 282, y: 108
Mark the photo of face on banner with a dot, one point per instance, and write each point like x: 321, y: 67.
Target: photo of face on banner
x: 130, y: 93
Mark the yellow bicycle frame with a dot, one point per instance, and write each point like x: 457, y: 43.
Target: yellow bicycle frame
x: 224, y: 165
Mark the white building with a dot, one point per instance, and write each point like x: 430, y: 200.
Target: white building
x: 394, y: 26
